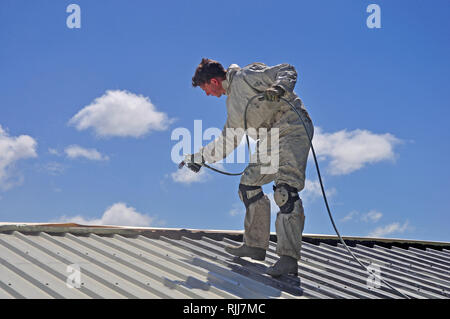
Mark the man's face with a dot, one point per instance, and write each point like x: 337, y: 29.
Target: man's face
x: 214, y: 87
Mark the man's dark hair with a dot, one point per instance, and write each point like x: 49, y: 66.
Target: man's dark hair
x: 207, y: 70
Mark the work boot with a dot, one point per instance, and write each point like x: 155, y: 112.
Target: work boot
x: 284, y: 266
x: 247, y: 251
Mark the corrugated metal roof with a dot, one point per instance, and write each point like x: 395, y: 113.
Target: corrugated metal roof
x: 40, y: 261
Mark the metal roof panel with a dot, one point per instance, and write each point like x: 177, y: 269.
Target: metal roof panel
x: 35, y: 262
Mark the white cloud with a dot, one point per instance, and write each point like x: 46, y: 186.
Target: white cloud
x: 120, y: 113
x: 54, y: 168
x: 75, y: 151
x: 118, y: 214
x: 351, y: 150
x: 313, y: 190
x: 372, y: 216
x: 390, y: 229
x: 54, y: 152
x: 13, y: 149
x: 186, y: 176
x: 349, y: 216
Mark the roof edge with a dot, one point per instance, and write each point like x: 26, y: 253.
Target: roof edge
x: 74, y: 228
x: 371, y: 241
x: 155, y: 232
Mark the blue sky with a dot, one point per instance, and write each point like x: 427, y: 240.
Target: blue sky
x: 87, y: 114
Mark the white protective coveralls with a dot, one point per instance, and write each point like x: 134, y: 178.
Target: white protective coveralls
x: 287, y: 146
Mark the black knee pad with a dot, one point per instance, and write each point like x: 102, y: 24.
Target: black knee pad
x: 243, y: 189
x: 285, y: 196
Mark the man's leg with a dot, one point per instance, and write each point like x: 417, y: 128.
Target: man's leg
x: 257, y: 215
x: 294, y: 149
x: 289, y: 227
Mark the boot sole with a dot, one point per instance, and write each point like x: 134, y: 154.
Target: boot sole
x: 257, y: 258
x: 291, y: 273
x: 278, y: 275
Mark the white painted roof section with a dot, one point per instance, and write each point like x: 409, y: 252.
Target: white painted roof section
x: 38, y: 261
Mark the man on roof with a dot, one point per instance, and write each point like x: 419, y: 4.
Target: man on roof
x: 240, y: 85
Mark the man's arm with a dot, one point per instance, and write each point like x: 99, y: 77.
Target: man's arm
x: 285, y: 76
x: 222, y: 146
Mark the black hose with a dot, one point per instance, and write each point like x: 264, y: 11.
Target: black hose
x: 222, y: 172
x: 328, y: 207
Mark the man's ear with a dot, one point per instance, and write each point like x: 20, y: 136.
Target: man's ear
x: 214, y: 81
